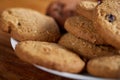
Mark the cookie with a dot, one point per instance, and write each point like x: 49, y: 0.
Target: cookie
x: 108, y: 67
x: 86, y: 7
x: 84, y: 48
x: 60, y: 10
x: 26, y: 24
x: 107, y: 21
x: 49, y: 55
x: 83, y: 28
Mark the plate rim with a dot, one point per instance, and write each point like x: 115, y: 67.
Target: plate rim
x: 62, y: 74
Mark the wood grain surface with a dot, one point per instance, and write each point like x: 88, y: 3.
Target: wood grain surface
x: 11, y: 67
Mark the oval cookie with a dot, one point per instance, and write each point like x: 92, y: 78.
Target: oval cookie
x: 85, y: 48
x: 83, y: 28
x: 26, y: 24
x: 49, y: 55
x: 108, y: 67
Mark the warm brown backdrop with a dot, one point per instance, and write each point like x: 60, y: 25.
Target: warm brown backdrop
x: 11, y: 68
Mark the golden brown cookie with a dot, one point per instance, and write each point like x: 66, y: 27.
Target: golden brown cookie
x: 49, y: 55
x: 83, y: 28
x: 86, y: 7
x: 107, y: 21
x: 85, y: 48
x: 108, y: 67
x: 26, y: 24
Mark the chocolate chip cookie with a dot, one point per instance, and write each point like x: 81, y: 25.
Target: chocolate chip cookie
x: 107, y: 21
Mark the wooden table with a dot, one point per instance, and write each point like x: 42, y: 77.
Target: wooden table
x: 11, y: 67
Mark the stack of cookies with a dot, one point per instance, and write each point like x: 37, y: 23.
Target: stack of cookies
x: 92, y: 38
x: 38, y: 35
x: 94, y: 35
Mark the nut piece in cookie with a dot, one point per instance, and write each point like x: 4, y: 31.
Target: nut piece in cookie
x: 107, y: 21
x: 49, y: 55
x: 26, y: 24
x: 83, y: 28
x: 108, y: 67
x: 85, y: 48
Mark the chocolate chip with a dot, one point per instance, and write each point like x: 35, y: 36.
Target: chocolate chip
x: 110, y: 17
x: 19, y: 24
x: 10, y: 12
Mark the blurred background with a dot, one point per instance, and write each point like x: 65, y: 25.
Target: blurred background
x: 39, y: 5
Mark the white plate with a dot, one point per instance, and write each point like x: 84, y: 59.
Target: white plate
x: 63, y: 74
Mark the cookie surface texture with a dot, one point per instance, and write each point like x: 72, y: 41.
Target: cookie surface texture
x: 107, y: 21
x: 85, y: 48
x: 49, y: 55
x: 83, y: 28
x: 27, y: 24
x: 86, y: 7
x: 108, y: 67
